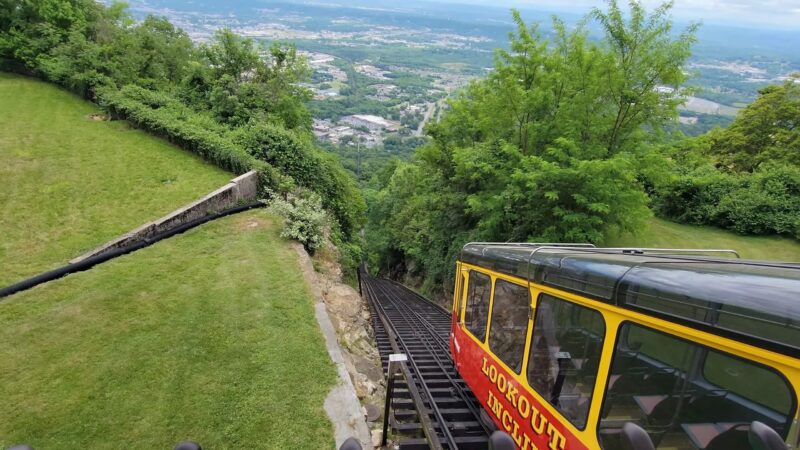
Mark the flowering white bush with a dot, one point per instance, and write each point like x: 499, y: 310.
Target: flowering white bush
x: 304, y: 218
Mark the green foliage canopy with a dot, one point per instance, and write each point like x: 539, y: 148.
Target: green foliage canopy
x: 746, y: 177
x: 546, y: 148
x: 766, y: 131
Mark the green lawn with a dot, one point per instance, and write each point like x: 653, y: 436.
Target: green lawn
x: 209, y: 335
x: 70, y: 183
x: 662, y: 233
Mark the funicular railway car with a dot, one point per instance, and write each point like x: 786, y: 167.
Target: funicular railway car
x: 567, y: 346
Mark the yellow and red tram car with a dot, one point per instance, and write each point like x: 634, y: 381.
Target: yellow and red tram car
x: 565, y: 345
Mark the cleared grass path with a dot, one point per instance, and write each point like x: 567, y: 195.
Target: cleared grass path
x: 662, y: 233
x: 209, y: 335
x: 69, y: 183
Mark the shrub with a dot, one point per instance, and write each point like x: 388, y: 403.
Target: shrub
x: 304, y: 218
x: 765, y: 202
x: 769, y: 204
x: 309, y: 167
x: 694, y: 198
x: 164, y: 116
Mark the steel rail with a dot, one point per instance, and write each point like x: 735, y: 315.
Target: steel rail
x: 448, y: 437
x: 396, y: 343
x: 442, y: 344
x: 421, y: 322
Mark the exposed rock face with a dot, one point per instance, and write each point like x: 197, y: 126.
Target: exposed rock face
x: 342, y: 405
x: 350, y: 316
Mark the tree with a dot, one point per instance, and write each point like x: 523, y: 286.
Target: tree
x: 281, y: 75
x: 30, y: 28
x: 767, y: 130
x: 646, y: 67
x: 231, y: 55
x: 548, y: 147
x: 243, y: 86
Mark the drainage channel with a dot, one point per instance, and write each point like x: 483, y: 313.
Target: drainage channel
x: 435, y: 410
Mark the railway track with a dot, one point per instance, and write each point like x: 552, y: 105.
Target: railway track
x: 431, y: 407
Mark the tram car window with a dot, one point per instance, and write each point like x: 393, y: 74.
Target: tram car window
x: 565, y: 355
x: 686, y: 395
x: 476, y: 314
x: 509, y: 325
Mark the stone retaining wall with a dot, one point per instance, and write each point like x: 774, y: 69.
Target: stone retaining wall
x: 243, y: 188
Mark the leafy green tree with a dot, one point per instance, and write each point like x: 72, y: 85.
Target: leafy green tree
x: 646, y: 68
x: 550, y: 146
x: 163, y: 52
x: 767, y: 130
x: 241, y: 85
x: 281, y: 74
x: 30, y: 28
x: 232, y: 55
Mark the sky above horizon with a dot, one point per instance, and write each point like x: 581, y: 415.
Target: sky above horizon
x: 779, y: 13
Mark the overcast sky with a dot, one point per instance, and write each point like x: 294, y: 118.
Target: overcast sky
x: 780, y: 13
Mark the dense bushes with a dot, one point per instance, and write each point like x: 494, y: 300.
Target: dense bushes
x: 167, y: 118
x: 764, y: 202
x: 310, y: 168
x: 282, y: 157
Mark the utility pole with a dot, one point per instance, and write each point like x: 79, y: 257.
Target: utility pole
x: 358, y: 158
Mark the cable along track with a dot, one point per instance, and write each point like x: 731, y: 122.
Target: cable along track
x: 405, y: 322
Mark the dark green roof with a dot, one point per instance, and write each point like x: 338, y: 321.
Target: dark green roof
x: 754, y: 301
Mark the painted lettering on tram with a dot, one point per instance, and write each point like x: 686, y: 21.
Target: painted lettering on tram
x: 509, y: 399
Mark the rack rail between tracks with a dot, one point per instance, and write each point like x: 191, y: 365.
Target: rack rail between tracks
x: 431, y: 407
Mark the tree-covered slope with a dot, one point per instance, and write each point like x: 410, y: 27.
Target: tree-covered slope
x: 548, y: 147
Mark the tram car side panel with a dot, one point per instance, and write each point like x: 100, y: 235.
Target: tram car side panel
x: 510, y: 404
x: 557, y: 370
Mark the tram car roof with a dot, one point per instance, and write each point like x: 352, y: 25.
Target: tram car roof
x: 757, y: 302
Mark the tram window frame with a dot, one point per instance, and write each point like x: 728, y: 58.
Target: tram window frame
x: 623, y: 344
x: 468, y: 304
x: 459, y: 288
x: 579, y: 422
x: 515, y: 365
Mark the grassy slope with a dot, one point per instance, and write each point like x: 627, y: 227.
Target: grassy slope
x: 662, y: 233
x: 70, y: 183
x: 209, y: 335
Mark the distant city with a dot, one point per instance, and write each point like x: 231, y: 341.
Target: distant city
x: 386, y: 69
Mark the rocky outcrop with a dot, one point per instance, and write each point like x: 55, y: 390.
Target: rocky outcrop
x: 350, y: 318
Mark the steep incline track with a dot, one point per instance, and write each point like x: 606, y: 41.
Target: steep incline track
x: 406, y: 323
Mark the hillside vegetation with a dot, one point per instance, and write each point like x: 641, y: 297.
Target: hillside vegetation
x: 209, y: 336
x: 71, y: 183
x: 231, y: 101
x: 573, y: 139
